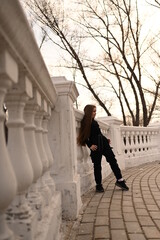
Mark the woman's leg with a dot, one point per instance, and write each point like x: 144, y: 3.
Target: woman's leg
x: 110, y: 157
x: 96, y: 159
x: 97, y: 171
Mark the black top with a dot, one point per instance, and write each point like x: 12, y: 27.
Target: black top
x: 94, y: 133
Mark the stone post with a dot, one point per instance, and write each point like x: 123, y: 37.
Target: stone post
x: 62, y: 139
x: 116, y: 139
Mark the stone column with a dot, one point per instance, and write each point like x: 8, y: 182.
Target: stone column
x: 62, y: 139
x: 8, y: 183
x: 116, y: 138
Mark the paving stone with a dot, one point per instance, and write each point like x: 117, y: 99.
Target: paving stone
x: 91, y: 210
x: 84, y: 237
x: 119, y: 234
x: 105, y: 199
x: 115, y: 207
x: 108, y: 193
x: 127, y: 203
x: 116, y: 201
x: 116, y: 214
x: 149, y: 201
x: 103, y: 205
x: 151, y: 232
x: 102, y: 212
x: 157, y: 197
x: 102, y: 238
x: 102, y: 220
x: 133, y: 227
x: 139, y: 206
x: 128, y: 209
x: 127, y: 198
x: 130, y: 217
x: 142, y: 212
x: 117, y: 224
x: 152, y: 207
x: 157, y: 223
x: 86, y: 228
x: 117, y: 197
x: 155, y: 215
x: 137, y: 200
x: 88, y: 218
x: 101, y: 232
x: 97, y: 197
x: 145, y: 221
x: 136, y: 236
x: 93, y: 204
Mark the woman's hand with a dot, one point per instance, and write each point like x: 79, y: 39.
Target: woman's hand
x: 93, y: 147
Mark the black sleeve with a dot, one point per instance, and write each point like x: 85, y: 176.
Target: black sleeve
x: 89, y: 143
x: 95, y: 131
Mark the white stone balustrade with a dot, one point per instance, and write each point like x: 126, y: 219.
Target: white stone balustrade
x: 139, y: 144
x: 24, y: 82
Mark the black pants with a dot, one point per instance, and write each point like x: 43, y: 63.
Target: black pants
x: 96, y: 157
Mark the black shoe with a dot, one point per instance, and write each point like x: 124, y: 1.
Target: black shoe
x: 99, y: 188
x: 122, y: 185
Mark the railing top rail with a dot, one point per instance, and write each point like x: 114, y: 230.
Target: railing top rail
x: 138, y: 128
x: 17, y: 37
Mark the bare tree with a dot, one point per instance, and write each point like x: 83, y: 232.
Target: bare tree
x: 155, y: 3
x: 114, y: 28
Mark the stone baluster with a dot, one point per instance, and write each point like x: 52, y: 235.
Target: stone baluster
x: 20, y: 217
x: 45, y: 190
x: 80, y: 160
x: 136, y: 143
x: 87, y: 159
x: 123, y: 139
x: 34, y: 195
x: 49, y: 179
x: 8, y: 183
x: 127, y: 143
x: 133, y: 139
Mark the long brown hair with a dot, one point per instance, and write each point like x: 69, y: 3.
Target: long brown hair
x: 85, y: 128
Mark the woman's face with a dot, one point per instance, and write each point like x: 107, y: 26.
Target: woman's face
x: 94, y: 113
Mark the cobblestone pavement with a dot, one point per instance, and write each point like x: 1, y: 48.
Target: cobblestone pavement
x: 122, y: 215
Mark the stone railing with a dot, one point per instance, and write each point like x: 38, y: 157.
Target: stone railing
x: 140, y: 145
x: 29, y: 203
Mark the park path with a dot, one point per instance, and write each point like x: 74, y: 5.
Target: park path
x: 122, y: 215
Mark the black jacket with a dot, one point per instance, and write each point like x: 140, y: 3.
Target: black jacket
x: 95, y: 134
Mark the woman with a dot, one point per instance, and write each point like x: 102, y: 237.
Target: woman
x: 91, y: 135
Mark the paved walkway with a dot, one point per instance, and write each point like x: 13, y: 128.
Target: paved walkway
x: 121, y: 215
